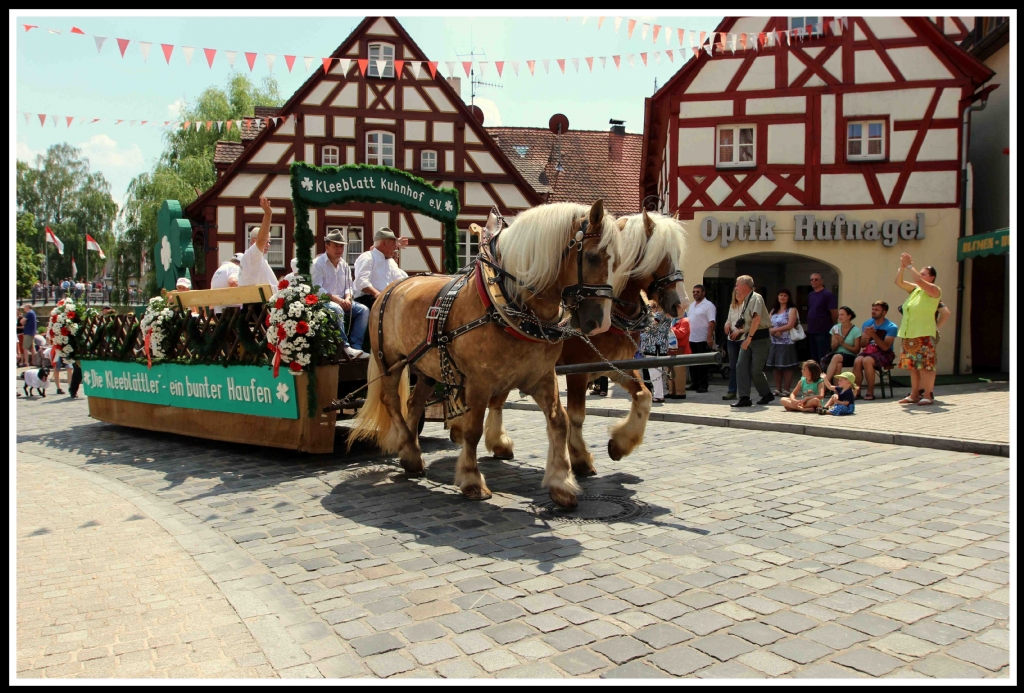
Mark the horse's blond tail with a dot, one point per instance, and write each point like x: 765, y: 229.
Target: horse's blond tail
x: 373, y: 423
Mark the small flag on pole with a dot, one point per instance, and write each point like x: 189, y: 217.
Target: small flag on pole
x: 51, y: 237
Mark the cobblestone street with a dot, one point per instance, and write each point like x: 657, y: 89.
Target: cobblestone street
x: 711, y: 552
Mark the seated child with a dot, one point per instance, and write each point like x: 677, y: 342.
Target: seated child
x: 841, y: 403
x: 807, y: 394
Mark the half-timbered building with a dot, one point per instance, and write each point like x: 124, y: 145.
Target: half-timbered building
x: 379, y: 101
x: 830, y: 151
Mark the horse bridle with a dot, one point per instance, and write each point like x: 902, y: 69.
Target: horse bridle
x: 574, y: 294
x: 642, y: 320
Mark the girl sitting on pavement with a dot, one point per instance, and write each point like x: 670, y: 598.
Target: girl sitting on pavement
x: 841, y: 403
x: 807, y: 394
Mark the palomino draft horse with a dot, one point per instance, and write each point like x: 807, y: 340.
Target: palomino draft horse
x: 650, y: 254
x: 551, y: 256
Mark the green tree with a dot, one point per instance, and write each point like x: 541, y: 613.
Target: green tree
x: 29, y: 268
x: 184, y: 171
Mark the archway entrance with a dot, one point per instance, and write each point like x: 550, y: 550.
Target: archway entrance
x: 771, y: 272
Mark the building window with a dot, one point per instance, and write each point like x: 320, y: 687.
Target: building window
x: 428, y: 160
x: 805, y: 25
x: 330, y: 156
x: 865, y: 140
x: 275, y: 254
x: 736, y: 146
x: 354, y: 247
x: 469, y: 247
x: 382, y: 51
x: 380, y: 148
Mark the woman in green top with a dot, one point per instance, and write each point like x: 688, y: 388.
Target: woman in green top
x: 918, y: 330
x: 845, y: 344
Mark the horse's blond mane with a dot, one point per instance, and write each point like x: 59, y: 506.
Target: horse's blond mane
x: 638, y: 256
x: 531, y: 248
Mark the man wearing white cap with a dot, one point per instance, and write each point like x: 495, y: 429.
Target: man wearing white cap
x: 255, y: 269
x: 376, y: 268
x: 330, y: 272
x: 226, y: 276
x: 292, y: 276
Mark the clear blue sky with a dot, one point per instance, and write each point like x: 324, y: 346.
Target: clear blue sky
x: 64, y: 75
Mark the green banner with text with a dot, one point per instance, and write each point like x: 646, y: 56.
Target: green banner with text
x: 984, y: 244
x: 249, y: 390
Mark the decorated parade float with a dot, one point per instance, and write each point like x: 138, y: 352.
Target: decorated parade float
x: 261, y: 365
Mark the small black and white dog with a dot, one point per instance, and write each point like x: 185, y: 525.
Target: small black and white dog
x: 37, y: 379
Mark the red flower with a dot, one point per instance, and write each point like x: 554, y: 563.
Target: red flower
x: 280, y: 304
x: 283, y: 284
x: 281, y: 334
x: 60, y: 302
x: 64, y: 331
x: 294, y: 366
x: 71, y: 315
x: 271, y: 348
x: 302, y: 327
x: 267, y: 323
x: 311, y: 299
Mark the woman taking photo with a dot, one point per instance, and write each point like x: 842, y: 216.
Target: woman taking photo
x: 845, y: 345
x: 918, y: 329
x: 782, y: 353
x: 733, y: 338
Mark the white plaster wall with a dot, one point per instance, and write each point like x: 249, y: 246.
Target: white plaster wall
x: 696, y: 146
x: 317, y: 95
x: 348, y: 97
x: 705, y: 109
x: 714, y: 76
x: 777, y: 104
x: 761, y: 74
x: 786, y: 143
x: 828, y: 128
x: 844, y: 189
x: 314, y: 125
x: 918, y: 63
x: 939, y: 145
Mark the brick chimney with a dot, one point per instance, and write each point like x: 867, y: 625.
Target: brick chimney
x: 616, y: 139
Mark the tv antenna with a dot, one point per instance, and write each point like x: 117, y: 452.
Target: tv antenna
x: 474, y: 81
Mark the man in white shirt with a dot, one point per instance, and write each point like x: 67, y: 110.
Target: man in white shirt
x: 701, y: 314
x: 255, y: 269
x: 331, y: 273
x: 226, y: 276
x: 376, y: 268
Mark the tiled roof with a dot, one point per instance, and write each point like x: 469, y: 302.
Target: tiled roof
x: 595, y: 164
x: 226, y: 152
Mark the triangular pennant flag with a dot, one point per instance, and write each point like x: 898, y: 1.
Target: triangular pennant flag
x: 617, y: 58
x: 251, y: 59
x: 467, y: 65
x: 53, y: 119
x: 382, y: 65
x: 42, y: 119
x: 209, y: 125
x: 345, y: 64
x: 398, y: 68
x: 54, y: 31
x: 600, y: 21
x: 131, y: 123
x: 76, y: 30
x: 604, y: 62
x: 590, y: 63
x: 499, y: 64
x: 630, y: 25
x: 630, y: 57
x: 643, y: 31
x: 122, y: 45
x: 561, y: 64
x: 732, y: 43
x: 585, y: 20
x: 531, y: 64
x: 30, y: 27
x: 432, y: 66
x: 227, y: 125
x: 289, y: 60
x: 144, y: 46
x: 167, y: 49
x: 450, y: 64
x: 210, y: 53
x: 515, y: 67
x: 671, y: 57
x: 309, y: 61
x: 702, y: 35
x: 187, y: 52
x: 416, y: 66
x: 186, y: 125
x: 643, y: 56
x: 231, y: 55
x: 657, y: 30
x: 270, y: 58
x: 657, y: 57
x: 100, y: 40
x: 682, y: 33
x: 143, y: 122
x: 618, y: 23
x: 483, y: 68
x: 198, y: 124
x: 364, y: 65
x: 576, y: 64
x: 547, y: 66
x: 69, y: 119
x: 327, y: 64
x: 743, y: 42
x: 27, y: 116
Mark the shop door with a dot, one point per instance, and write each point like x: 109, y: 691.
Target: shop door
x: 988, y: 309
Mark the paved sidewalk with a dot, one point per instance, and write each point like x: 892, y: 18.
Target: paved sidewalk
x: 104, y: 591
x: 965, y: 418
x: 709, y: 553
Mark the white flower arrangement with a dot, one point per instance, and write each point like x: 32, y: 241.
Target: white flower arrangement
x: 296, y: 315
x: 65, y: 323
x: 156, y: 325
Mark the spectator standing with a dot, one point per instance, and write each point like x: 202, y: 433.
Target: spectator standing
x: 19, y: 330
x: 845, y: 339
x: 701, y: 314
x: 782, y: 353
x: 822, y: 314
x: 919, y: 329
x: 29, y: 323
x: 877, y: 337
x: 754, y: 347
x: 331, y: 273
x: 377, y: 267
x: 654, y: 342
x: 677, y: 384
x: 733, y: 338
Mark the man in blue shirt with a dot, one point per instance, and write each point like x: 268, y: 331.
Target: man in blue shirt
x: 878, y: 335
x: 28, y: 332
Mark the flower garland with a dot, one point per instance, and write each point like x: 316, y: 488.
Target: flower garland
x: 300, y: 329
x: 65, y: 324
x: 159, y: 329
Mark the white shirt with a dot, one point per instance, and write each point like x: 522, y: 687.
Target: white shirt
x: 700, y: 314
x: 331, y: 279
x: 373, y: 269
x: 223, y: 274
x: 255, y: 269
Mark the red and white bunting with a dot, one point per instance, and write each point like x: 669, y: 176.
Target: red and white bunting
x: 144, y: 47
x: 289, y: 60
x: 100, y: 40
x: 515, y: 67
x: 231, y: 55
x: 499, y: 64
x: 547, y: 66
x: 618, y: 23
x: 643, y: 31
x: 210, y: 54
x: 187, y: 52
x: 250, y: 58
x: 630, y: 25
x: 122, y: 45
x: 561, y: 64
x: 328, y: 63
x: 531, y: 64
x: 270, y: 58
x: 309, y: 61
x: 167, y: 48
x: 450, y: 64
x: 483, y: 68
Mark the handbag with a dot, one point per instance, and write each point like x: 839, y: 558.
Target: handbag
x: 797, y: 333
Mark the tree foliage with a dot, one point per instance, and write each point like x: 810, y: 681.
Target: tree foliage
x: 29, y: 266
x: 184, y: 171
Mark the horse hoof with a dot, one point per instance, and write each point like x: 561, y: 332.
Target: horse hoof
x: 503, y: 453
x: 476, y: 492
x: 614, y: 451
x: 563, y: 499
x: 413, y: 469
x: 584, y: 469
